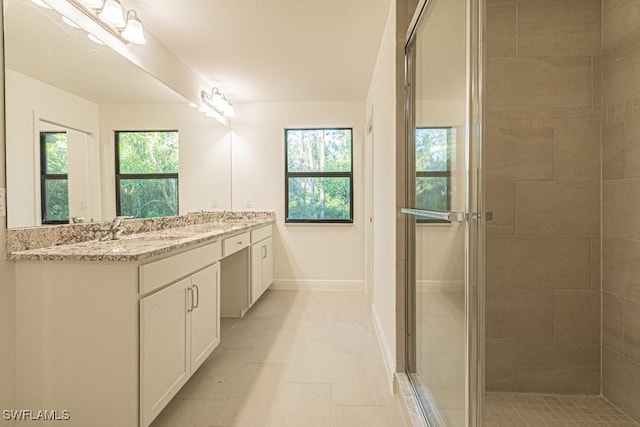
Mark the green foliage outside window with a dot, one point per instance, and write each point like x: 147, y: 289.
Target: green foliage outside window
x: 54, y: 179
x: 319, y: 175
x: 433, y: 167
x: 147, y: 173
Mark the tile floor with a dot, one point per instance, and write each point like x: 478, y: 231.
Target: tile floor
x: 525, y: 410
x: 295, y: 359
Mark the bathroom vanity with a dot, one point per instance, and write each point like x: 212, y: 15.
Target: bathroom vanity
x: 110, y: 331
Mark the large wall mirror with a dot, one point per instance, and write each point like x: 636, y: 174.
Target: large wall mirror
x: 66, y: 100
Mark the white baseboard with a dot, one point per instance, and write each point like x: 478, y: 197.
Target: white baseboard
x: 387, y: 355
x: 318, y: 285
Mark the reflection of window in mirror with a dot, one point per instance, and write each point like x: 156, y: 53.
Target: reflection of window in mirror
x: 434, y: 147
x: 146, y: 173
x: 54, y: 183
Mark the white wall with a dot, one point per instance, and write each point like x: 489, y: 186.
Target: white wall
x: 382, y: 99
x: 320, y: 256
x: 204, y: 151
x: 7, y: 296
x: 29, y: 101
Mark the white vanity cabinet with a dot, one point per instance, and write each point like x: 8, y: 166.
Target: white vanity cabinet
x: 113, y: 342
x: 112, y: 335
x: 247, y: 270
x: 261, y: 261
x: 179, y: 329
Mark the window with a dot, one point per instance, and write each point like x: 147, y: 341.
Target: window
x: 319, y: 175
x: 433, y: 169
x: 54, y: 183
x: 146, y: 173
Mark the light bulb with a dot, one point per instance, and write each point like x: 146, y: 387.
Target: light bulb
x: 112, y: 14
x: 231, y: 112
x: 134, y: 31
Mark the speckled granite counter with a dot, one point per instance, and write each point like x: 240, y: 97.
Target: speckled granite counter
x: 164, y: 237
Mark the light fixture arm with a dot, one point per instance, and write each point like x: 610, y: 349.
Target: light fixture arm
x: 217, y: 101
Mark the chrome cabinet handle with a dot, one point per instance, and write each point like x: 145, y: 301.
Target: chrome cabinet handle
x: 457, y: 216
x: 190, y: 308
x: 197, y: 296
x: 264, y: 251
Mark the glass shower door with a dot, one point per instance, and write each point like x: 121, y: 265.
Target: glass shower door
x: 442, y: 221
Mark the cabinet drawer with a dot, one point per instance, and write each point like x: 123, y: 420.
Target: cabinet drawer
x: 170, y: 269
x: 236, y: 243
x: 261, y: 233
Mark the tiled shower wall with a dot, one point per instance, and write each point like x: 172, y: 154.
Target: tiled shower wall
x: 621, y: 205
x: 542, y: 166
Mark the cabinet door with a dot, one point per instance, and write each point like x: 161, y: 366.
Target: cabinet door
x: 267, y: 264
x: 164, y: 341
x: 205, y: 327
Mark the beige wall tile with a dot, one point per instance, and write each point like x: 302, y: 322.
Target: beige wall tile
x: 563, y: 82
x: 632, y: 330
x: 632, y: 146
x: 596, y: 254
x: 519, y: 154
x: 500, y: 366
x: 612, y: 321
x: 577, y: 155
x: 613, y: 142
x: 576, y: 316
x: 621, y: 382
x: 620, y: 23
x: 501, y: 30
x: 621, y: 267
x: 558, y: 208
x: 612, y: 335
x: 620, y: 79
x: 518, y: 314
x: 621, y: 204
x: 596, y: 83
x: 552, y: 262
x: 570, y: 27
x: 500, y: 198
x: 558, y: 368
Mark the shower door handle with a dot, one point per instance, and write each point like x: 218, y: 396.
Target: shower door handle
x: 451, y: 216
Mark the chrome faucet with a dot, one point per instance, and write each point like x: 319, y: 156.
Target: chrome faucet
x: 115, y: 230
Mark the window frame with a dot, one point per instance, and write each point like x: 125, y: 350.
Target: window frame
x: 44, y: 177
x: 288, y: 174
x: 436, y: 174
x: 121, y: 176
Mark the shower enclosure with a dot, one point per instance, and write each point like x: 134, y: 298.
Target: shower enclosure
x: 443, y: 211
x: 523, y: 192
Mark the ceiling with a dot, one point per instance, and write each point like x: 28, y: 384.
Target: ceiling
x: 273, y: 50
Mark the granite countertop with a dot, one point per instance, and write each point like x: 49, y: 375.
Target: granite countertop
x: 140, y: 246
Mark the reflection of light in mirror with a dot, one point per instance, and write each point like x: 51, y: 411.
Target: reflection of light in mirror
x: 69, y: 22
x: 134, y: 31
x: 111, y: 14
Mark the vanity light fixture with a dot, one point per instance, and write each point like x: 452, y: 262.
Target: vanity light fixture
x: 112, y: 14
x: 109, y: 15
x: 218, y: 102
